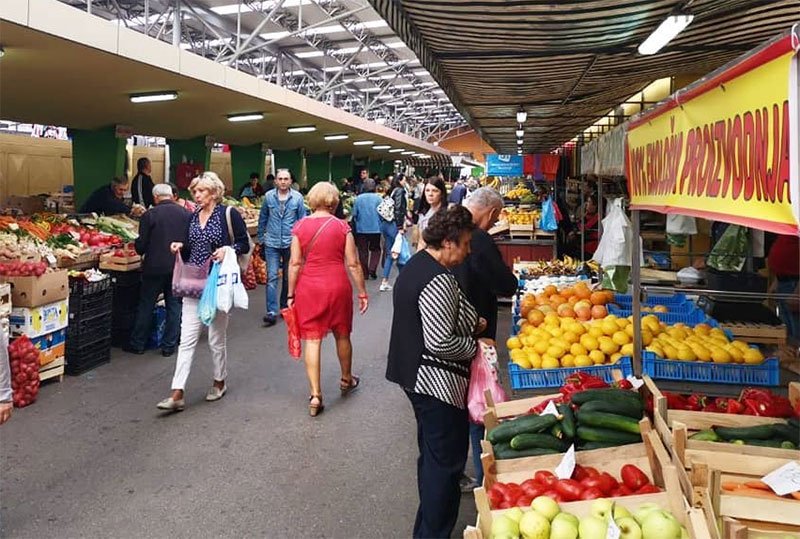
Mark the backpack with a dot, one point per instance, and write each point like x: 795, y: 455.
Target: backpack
x: 386, y: 208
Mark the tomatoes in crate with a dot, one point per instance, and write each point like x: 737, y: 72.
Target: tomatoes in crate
x: 24, y: 361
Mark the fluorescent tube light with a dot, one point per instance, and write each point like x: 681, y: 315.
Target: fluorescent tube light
x: 363, y: 142
x: 153, y: 97
x: 246, y: 117
x: 666, y: 32
x: 520, y: 141
x: 381, y: 147
x: 341, y: 136
x: 521, y: 115
x: 407, y: 153
x: 397, y: 150
x: 520, y: 133
x: 302, y: 129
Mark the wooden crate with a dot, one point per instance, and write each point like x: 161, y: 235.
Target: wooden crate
x: 744, y: 529
x: 522, y: 231
x: 85, y: 260
x: 5, y: 299
x: 757, y: 333
x: 120, y: 263
x: 54, y: 369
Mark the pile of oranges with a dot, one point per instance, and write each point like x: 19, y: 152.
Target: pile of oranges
x: 578, y: 302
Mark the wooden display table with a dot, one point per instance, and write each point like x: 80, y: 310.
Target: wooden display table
x: 528, y: 250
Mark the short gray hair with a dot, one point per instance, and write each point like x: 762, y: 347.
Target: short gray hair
x: 119, y: 180
x: 162, y: 190
x: 485, y: 197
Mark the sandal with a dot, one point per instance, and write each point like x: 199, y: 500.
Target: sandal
x: 348, y: 386
x: 315, y: 409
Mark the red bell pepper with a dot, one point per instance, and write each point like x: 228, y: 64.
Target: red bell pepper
x: 539, y: 408
x: 580, y: 381
x: 676, y: 401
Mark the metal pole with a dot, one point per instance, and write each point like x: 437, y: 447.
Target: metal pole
x: 146, y: 17
x: 279, y: 69
x: 89, y: 7
x: 583, y: 224
x: 238, y: 34
x: 636, y: 278
x: 599, y: 207
x: 176, y: 24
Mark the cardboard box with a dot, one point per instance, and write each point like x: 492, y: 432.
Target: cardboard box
x: 35, y: 291
x: 38, y: 321
x: 27, y: 205
x: 51, y: 346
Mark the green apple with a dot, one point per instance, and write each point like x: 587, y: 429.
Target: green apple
x: 660, y: 524
x: 685, y: 533
x: 629, y: 528
x: 593, y: 527
x: 601, y: 508
x: 644, y: 510
x: 502, y: 526
x: 546, y: 506
x: 534, y: 526
x: 515, y: 514
x: 564, y: 526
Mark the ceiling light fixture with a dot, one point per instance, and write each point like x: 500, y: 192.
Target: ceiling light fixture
x: 520, y: 133
x: 340, y: 136
x: 153, y: 97
x: 363, y: 142
x: 302, y: 129
x: 521, y: 115
x: 397, y: 150
x: 250, y: 117
x: 381, y: 147
x: 407, y: 153
x: 519, y: 152
x: 520, y: 142
x: 666, y: 32
x: 2, y: 52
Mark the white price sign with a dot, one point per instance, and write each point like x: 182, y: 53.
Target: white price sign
x: 635, y: 382
x: 550, y: 409
x: 567, y: 465
x: 785, y: 479
x: 613, y: 531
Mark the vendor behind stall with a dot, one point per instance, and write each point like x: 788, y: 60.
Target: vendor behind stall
x: 108, y: 200
x: 590, y: 227
x: 252, y: 188
x: 784, y: 263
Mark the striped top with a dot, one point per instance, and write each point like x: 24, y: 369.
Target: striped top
x: 432, y: 343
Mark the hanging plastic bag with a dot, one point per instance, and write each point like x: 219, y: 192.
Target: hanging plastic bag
x: 614, y: 250
x: 681, y: 224
x: 482, y: 377
x: 730, y: 252
x: 188, y: 281
x: 228, y: 276
x: 548, y: 221
x: 401, y: 249
x: 207, y: 308
x: 293, y: 331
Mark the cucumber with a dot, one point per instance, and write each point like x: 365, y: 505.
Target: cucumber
x: 606, y: 394
x: 609, y: 421
x: 759, y: 432
x: 567, y: 420
x: 707, y: 435
x: 773, y: 442
x: 527, y: 423
x: 514, y: 454
x: 786, y: 432
x: 588, y: 446
x: 542, y: 441
x: 556, y: 430
x: 594, y: 434
x: 630, y: 409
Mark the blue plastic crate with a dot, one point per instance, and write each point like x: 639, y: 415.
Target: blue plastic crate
x: 624, y: 300
x: 159, y: 323
x: 766, y: 374
x: 691, y: 318
x: 542, y: 378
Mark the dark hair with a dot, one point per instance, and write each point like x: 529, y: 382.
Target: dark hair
x: 270, y: 177
x: 141, y: 163
x: 438, y: 183
x: 396, y: 182
x: 254, y: 175
x: 447, y: 225
x: 174, y: 188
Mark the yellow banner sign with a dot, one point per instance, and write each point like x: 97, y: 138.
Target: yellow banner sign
x: 720, y: 150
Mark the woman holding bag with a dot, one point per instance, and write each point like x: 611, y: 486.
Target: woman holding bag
x: 205, y: 238
x: 320, y: 292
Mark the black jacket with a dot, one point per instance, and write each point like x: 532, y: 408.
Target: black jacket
x: 483, y: 276
x: 240, y: 241
x: 159, y: 227
x: 142, y: 190
x: 400, y: 206
x: 103, y: 201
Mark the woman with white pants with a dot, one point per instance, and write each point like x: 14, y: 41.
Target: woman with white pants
x: 205, y: 238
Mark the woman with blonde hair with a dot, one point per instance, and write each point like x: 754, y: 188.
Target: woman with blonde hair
x: 320, y: 291
x: 205, y: 238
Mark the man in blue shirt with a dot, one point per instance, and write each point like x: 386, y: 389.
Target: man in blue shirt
x: 458, y: 193
x: 281, y: 209
x: 367, y: 225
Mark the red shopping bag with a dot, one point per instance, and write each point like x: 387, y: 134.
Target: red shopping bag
x: 293, y: 331
x: 483, y: 377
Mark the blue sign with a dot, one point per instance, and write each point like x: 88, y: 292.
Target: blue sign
x: 503, y: 165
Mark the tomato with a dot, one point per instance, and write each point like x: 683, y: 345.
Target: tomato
x: 592, y: 482
x: 579, y: 473
x: 591, y: 472
x: 622, y: 490
x: 591, y: 494
x: 499, y: 488
x: 543, y: 477
x: 607, y: 483
x: 525, y: 500
x: 495, y: 497
x: 569, y: 489
x: 514, y: 492
x: 505, y: 505
x: 553, y: 494
x: 633, y: 477
x: 648, y: 489
x: 532, y: 488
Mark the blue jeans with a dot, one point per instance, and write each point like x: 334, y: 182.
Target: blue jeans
x: 276, y: 259
x: 389, y: 231
x: 791, y: 319
x: 152, y: 286
x: 475, y: 437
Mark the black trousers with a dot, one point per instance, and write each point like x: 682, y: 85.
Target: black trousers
x: 369, y: 252
x: 443, y: 438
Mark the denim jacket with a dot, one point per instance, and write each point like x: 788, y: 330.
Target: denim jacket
x: 274, y: 227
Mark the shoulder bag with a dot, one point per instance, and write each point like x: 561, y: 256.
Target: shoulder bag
x: 243, y: 259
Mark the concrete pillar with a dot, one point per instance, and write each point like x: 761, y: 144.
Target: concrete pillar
x: 244, y: 161
x: 318, y: 168
x: 97, y: 156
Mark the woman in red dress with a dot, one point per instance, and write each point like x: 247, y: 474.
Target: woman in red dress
x: 320, y: 290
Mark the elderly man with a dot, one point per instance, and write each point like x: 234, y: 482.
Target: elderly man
x: 165, y: 223
x: 108, y: 200
x: 484, y: 277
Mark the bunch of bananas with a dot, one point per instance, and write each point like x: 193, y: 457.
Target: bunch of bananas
x: 522, y: 217
x: 519, y: 192
x: 566, y: 266
x: 494, y: 183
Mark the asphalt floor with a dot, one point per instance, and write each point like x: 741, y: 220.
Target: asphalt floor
x: 93, y: 457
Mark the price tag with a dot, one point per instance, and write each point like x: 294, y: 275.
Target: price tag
x: 51, y: 260
x: 550, y: 409
x: 635, y: 382
x: 613, y: 531
x: 567, y: 466
x: 785, y: 479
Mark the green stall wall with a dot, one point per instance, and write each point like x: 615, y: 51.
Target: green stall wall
x: 193, y: 150
x: 317, y: 168
x: 97, y: 156
x: 244, y: 161
x: 291, y: 159
x: 341, y: 168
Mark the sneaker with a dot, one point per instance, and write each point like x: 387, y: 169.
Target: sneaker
x: 385, y: 287
x: 373, y: 276
x: 467, y: 484
x: 215, y: 393
x: 269, y: 320
x: 171, y: 405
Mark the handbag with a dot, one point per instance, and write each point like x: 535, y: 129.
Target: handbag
x: 243, y: 259
x: 386, y: 208
x: 188, y: 281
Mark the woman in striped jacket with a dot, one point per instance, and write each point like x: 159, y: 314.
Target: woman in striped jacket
x: 432, y: 346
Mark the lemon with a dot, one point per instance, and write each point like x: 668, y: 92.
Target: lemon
x: 753, y: 357
x: 583, y: 361
x: 556, y: 332
x: 577, y: 329
x: 608, y: 346
x: 609, y: 327
x: 647, y: 337
x: 552, y: 320
x: 596, y: 332
x: 686, y: 354
x: 569, y: 337
x: 597, y: 357
x: 523, y: 362
x: 621, y: 338
x: 656, y: 349
x: 743, y: 346
x: 589, y: 342
x: 702, y: 353
x: 670, y: 352
x: 736, y: 354
x: 577, y: 349
x: 721, y: 356
x: 556, y: 352
x: 626, y: 350
x: 550, y: 363
x: 622, y: 323
x: 513, y: 343
x: 702, y: 329
x: 616, y: 357
x: 568, y: 360
x: 516, y: 353
x: 541, y: 346
x: 629, y: 330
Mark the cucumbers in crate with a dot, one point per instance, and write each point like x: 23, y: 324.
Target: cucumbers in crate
x: 608, y: 421
x: 527, y: 423
x: 504, y: 451
x: 627, y: 408
x: 532, y: 441
x: 595, y: 434
x: 759, y: 432
x: 608, y: 395
x: 567, y: 420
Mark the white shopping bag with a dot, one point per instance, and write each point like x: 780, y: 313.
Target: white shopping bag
x: 230, y: 288
x: 681, y: 224
x: 614, y: 248
x: 397, y: 246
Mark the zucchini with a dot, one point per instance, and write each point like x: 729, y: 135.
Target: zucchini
x: 607, y: 394
x: 772, y: 442
x: 567, y: 420
x: 786, y: 432
x: 759, y: 432
x: 707, y: 435
x: 630, y: 409
x: 514, y: 454
x: 588, y: 446
x: 505, y: 431
x: 609, y: 421
x: 530, y: 441
x: 594, y: 434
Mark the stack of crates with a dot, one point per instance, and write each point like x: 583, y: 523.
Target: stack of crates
x: 89, y: 329
x: 127, y: 288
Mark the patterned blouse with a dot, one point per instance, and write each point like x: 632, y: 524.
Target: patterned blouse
x: 204, y: 241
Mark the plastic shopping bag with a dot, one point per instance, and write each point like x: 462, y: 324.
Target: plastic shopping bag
x: 548, y: 221
x: 614, y: 250
x: 207, y: 308
x: 293, y: 331
x: 401, y: 248
x: 230, y: 289
x: 482, y: 378
x: 188, y: 281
